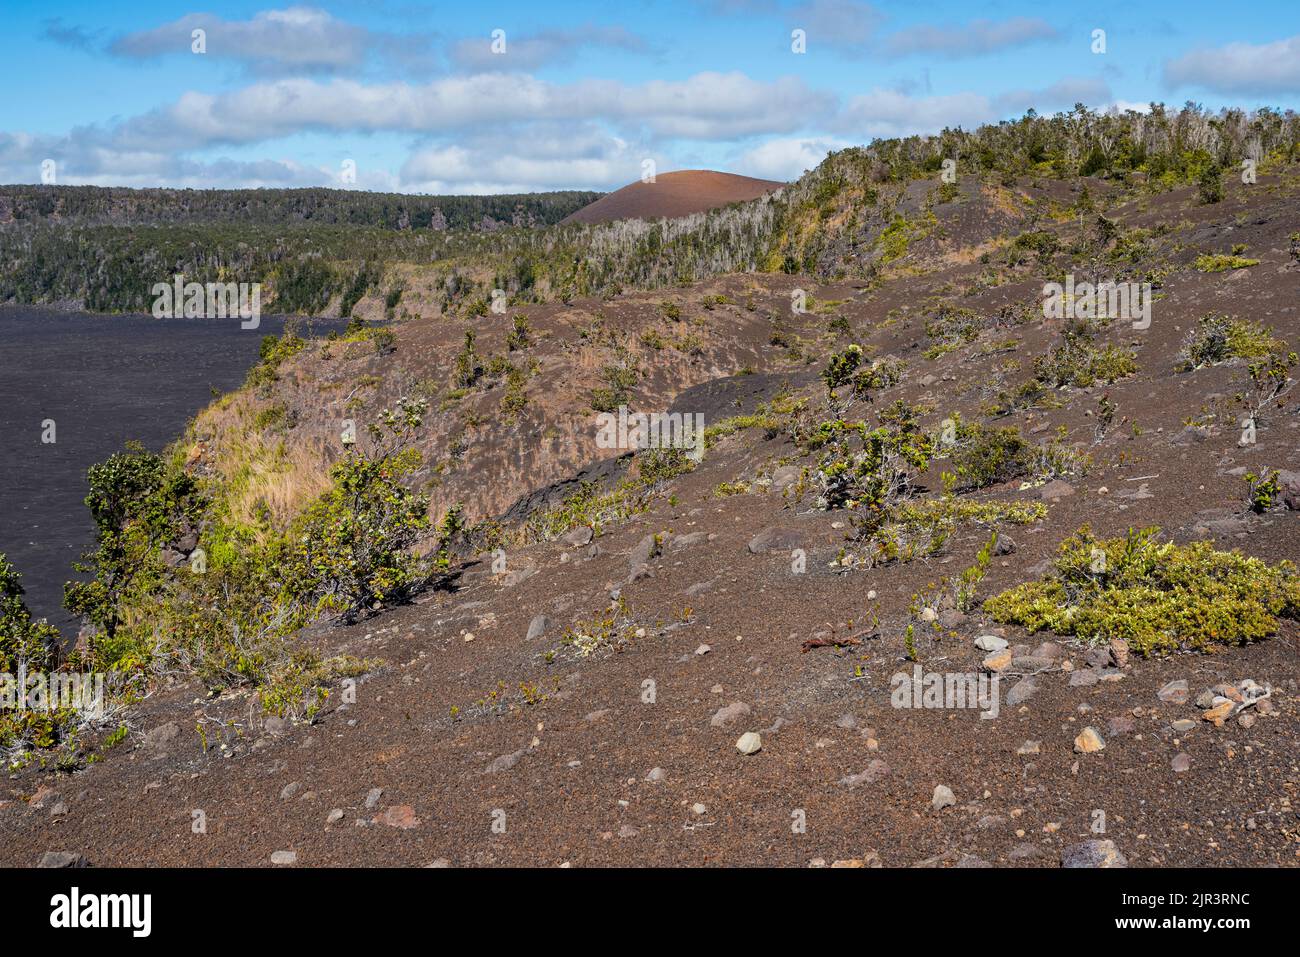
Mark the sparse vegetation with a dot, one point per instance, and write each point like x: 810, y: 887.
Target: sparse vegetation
x: 1157, y: 596
x: 1080, y: 363
x: 1221, y: 262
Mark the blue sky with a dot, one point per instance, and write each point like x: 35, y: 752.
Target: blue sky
x: 413, y: 97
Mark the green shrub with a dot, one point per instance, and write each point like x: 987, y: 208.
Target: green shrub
x: 469, y: 369
x: 951, y: 328
x: 519, y: 336
x: 272, y: 354
x: 620, y: 379
x: 922, y: 528
x: 1217, y: 338
x: 350, y: 549
x: 1157, y: 596
x: 1078, y: 362
x: 1219, y: 262
x: 21, y: 639
x: 988, y: 456
x: 1264, y: 490
x: 868, y: 469
x: 1210, y: 185
x: 138, y: 503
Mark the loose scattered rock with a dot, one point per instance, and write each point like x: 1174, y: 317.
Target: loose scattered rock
x: 943, y: 797
x: 161, y: 736
x: 1089, y: 741
x: 998, y: 661
x: 579, y: 536
x: 775, y: 538
x: 749, y: 743
x: 1100, y: 853
x: 1021, y: 691
x: 724, y: 716
x: 876, y: 770
x: 62, y: 859
x: 284, y: 857
x: 1121, y: 724
x: 505, y: 762
x: 401, y: 816
x: 1055, y: 489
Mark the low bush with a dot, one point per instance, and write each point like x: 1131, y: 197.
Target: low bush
x: 1157, y: 596
x: 1221, y: 262
x: 1217, y: 338
x: 1079, y: 362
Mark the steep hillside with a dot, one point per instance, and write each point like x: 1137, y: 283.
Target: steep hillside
x: 577, y: 687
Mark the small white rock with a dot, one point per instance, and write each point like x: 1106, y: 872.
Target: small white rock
x: 749, y: 743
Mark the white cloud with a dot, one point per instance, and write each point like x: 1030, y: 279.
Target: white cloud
x: 79, y: 161
x: 786, y: 159
x: 971, y: 39
x: 1089, y: 90
x: 704, y: 106
x: 295, y: 38
x: 890, y: 113
x: 1240, y: 68
x: 525, y: 159
x: 547, y: 47
x: 1123, y: 106
x: 845, y: 25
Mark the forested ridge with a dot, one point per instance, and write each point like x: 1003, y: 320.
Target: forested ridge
x: 121, y: 206
x: 861, y: 210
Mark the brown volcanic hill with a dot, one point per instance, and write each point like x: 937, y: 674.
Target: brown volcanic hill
x: 673, y: 194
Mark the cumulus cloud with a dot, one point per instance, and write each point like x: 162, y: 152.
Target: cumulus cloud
x: 83, y: 159
x: 540, y: 159
x: 972, y: 39
x: 786, y: 159
x: 703, y: 106
x: 295, y: 38
x: 484, y: 131
x: 1237, y: 69
x: 542, y: 49
x: 1089, y: 90
x: 891, y: 113
x: 845, y: 25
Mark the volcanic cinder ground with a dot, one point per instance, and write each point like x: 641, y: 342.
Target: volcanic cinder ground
x: 472, y: 744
